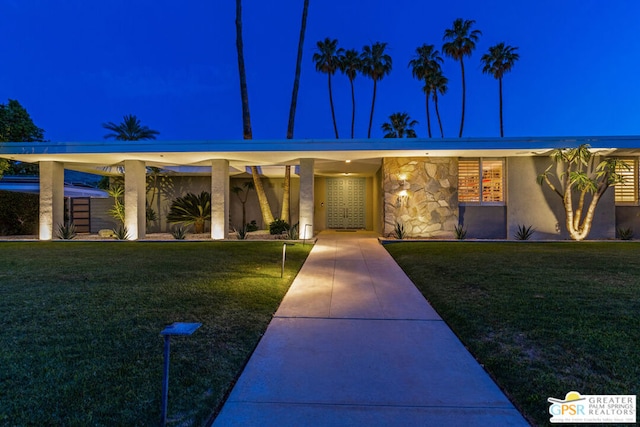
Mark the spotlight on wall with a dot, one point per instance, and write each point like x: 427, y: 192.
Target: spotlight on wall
x: 403, y: 199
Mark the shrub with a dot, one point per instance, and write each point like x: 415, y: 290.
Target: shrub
x: 294, y: 232
x: 399, y: 231
x: 278, y: 226
x: 523, y: 232
x: 66, y: 231
x: 18, y: 213
x: 625, y: 233
x: 179, y: 233
x: 460, y: 232
x: 252, y: 226
x: 191, y: 209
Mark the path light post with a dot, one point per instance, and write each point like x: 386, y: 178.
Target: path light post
x: 284, y: 256
x: 177, y: 328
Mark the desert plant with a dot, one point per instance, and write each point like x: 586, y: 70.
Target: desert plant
x: 179, y: 233
x: 625, y: 233
x: 278, y: 226
x: 399, y: 231
x: 121, y: 233
x: 294, y: 232
x: 117, y: 211
x: 523, y: 232
x: 66, y: 231
x: 241, y: 232
x: 460, y: 232
x: 191, y: 209
x: 252, y: 226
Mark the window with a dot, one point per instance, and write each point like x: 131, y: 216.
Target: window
x: 627, y: 192
x: 481, y: 181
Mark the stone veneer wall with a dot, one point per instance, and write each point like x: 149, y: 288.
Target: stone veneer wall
x: 430, y: 207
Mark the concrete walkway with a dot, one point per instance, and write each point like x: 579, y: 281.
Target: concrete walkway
x: 355, y: 344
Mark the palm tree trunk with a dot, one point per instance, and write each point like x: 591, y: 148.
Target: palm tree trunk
x: 464, y: 90
x: 353, y: 108
x: 500, y: 91
x: 435, y: 101
x: 373, y: 103
x: 333, y: 113
x: 286, y: 197
x: 246, y: 117
x: 428, y: 116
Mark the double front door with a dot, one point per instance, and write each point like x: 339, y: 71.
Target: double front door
x: 346, y: 203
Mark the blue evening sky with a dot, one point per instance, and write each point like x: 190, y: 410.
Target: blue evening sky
x: 75, y: 64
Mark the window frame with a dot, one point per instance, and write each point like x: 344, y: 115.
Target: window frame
x: 633, y: 163
x: 480, y: 177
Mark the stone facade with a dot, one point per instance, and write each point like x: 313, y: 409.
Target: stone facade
x: 421, y: 193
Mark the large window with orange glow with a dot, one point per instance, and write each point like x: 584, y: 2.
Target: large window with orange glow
x: 627, y: 192
x: 481, y: 181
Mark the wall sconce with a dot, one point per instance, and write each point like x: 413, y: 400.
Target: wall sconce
x: 402, y: 201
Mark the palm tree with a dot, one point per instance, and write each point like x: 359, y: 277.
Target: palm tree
x: 499, y: 60
x: 400, y: 125
x: 461, y: 42
x: 350, y: 64
x: 426, y: 61
x: 129, y: 130
x: 375, y: 64
x: 326, y: 59
x: 286, y: 197
x: 191, y: 209
x: 243, y: 195
x: 436, y: 82
x: 265, y: 208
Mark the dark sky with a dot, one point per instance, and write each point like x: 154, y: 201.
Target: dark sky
x: 75, y: 64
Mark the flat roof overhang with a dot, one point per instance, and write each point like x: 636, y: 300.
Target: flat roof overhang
x: 331, y: 155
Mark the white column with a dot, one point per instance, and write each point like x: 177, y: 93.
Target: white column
x: 219, y: 199
x: 51, y: 198
x: 306, y: 198
x: 135, y: 194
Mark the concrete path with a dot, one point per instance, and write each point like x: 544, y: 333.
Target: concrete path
x: 355, y: 344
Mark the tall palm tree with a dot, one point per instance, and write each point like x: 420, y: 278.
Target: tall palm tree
x: 265, y: 208
x: 350, y: 65
x: 375, y: 64
x: 326, y: 59
x: 499, y: 60
x: 400, y: 125
x: 286, y: 197
x: 436, y: 82
x: 129, y: 130
x: 426, y: 61
x: 461, y: 42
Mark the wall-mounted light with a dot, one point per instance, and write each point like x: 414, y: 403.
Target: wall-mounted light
x: 402, y: 200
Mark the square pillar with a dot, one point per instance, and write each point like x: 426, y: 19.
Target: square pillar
x: 219, y: 199
x: 135, y: 195
x: 51, y: 198
x: 306, y: 198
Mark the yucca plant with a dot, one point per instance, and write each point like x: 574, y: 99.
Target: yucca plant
x: 241, y: 232
x: 66, y: 231
x: 523, y: 232
x: 625, y: 233
x: 191, y: 209
x: 460, y: 232
x: 179, y: 233
x: 399, y: 231
x: 121, y: 233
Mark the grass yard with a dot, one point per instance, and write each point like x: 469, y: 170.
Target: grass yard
x: 543, y: 318
x: 81, y: 326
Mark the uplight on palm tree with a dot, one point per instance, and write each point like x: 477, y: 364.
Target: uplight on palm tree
x: 375, y: 64
x: 129, y: 130
x: 326, y: 60
x: 460, y: 41
x: 400, y: 125
x: 426, y: 61
x: 498, y: 61
x: 351, y: 65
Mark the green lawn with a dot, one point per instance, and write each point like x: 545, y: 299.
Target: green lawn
x: 81, y: 326
x: 543, y: 318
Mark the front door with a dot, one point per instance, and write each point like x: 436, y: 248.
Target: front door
x: 346, y: 203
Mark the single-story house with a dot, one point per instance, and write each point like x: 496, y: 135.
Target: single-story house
x: 430, y: 186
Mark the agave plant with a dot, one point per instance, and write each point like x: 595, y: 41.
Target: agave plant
x: 460, y: 232
x: 179, y: 233
x: 191, y: 209
x: 66, y: 231
x: 399, y: 232
x: 523, y: 232
x: 121, y: 233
